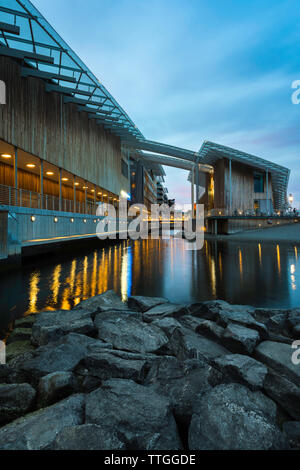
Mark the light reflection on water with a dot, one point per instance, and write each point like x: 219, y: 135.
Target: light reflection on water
x: 263, y: 275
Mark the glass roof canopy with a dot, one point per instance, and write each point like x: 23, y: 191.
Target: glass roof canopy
x: 25, y: 34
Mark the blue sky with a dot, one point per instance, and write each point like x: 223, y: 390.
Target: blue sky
x: 192, y: 70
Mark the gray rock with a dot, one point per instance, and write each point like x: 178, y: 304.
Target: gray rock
x: 292, y: 430
x: 210, y: 329
x: 190, y: 321
x: 208, y: 310
x: 5, y: 373
x: 283, y: 392
x: 165, y: 310
x: 185, y: 344
x: 242, y: 369
x: 293, y: 322
x: 17, y: 348
x: 54, y: 387
x: 106, y: 365
x: 88, y: 437
x: 107, y: 301
x: 19, y: 334
x: 15, y: 401
x: 143, y: 418
x: 241, y: 316
x: 182, y: 382
x: 63, y: 355
x: 142, y: 304
x: 167, y: 324
x: 277, y: 324
x: 231, y: 417
x: 239, y: 339
x: 51, y: 326
x: 279, y: 357
x: 129, y: 333
x: 38, y: 430
x: 262, y: 315
x: 25, y: 322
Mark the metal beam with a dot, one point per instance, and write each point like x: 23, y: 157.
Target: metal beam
x: 16, y: 53
x: 71, y: 99
x: 165, y: 149
x: 9, y: 28
x: 27, y: 72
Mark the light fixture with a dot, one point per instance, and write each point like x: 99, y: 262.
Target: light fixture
x: 50, y: 173
x: 92, y: 190
x: 6, y: 155
x: 84, y: 221
x: 104, y: 195
x: 291, y: 198
x: 99, y: 194
x: 95, y: 221
x: 76, y: 184
x: 32, y: 218
x: 72, y: 220
x: 84, y: 187
x: 30, y: 165
x: 65, y: 179
x: 55, y: 220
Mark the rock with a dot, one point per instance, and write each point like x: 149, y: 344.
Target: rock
x: 87, y: 437
x: 54, y: 387
x: 38, y: 430
x: 19, y: 334
x: 167, y: 324
x: 17, y: 348
x: 242, y: 369
x: 63, y: 355
x: 5, y: 373
x: 293, y: 322
x: 130, y: 334
x: 15, y: 401
x: 144, y: 420
x: 231, y: 417
x: 51, y: 326
x: 239, y: 339
x: 107, y: 301
x: 142, y: 304
x: 262, y: 315
x: 25, y: 322
x: 208, y: 310
x: 106, y: 365
x: 165, y: 310
x: 279, y: 357
x: 182, y: 382
x: 283, y: 392
x: 277, y: 324
x: 185, y: 344
x: 210, y: 329
x: 191, y: 322
x: 292, y: 431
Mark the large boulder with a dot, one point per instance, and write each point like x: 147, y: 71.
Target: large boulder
x: 210, y: 329
x: 293, y: 322
x: 165, y: 310
x: 231, y: 417
x: 38, y: 430
x: 51, y: 326
x: 292, y: 430
x: 182, y: 382
x: 63, y: 355
x: 19, y: 334
x: 108, y: 364
x: 143, y: 418
x: 142, y: 304
x: 284, y: 392
x: 5, y: 373
x: 129, y: 333
x: 110, y: 300
x: 167, y: 324
x: 25, y: 322
x: 279, y: 357
x: 88, y: 437
x: 185, y: 344
x: 15, y: 401
x: 54, y: 387
x: 239, y: 339
x: 243, y: 369
x: 17, y: 348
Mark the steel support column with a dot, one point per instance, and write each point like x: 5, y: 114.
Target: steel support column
x: 230, y: 186
x: 267, y: 183
x: 60, y: 190
x: 193, y: 192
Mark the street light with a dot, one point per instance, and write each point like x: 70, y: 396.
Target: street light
x: 291, y: 199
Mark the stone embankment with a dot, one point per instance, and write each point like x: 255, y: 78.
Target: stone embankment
x: 152, y: 375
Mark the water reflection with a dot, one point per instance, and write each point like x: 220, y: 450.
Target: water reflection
x: 242, y: 273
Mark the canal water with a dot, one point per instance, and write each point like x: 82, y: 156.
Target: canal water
x: 263, y: 275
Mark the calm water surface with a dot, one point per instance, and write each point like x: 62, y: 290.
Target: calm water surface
x: 263, y: 275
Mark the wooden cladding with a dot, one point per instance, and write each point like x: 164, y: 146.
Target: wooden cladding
x: 41, y: 124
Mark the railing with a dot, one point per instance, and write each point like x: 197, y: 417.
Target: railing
x: 10, y: 196
x: 247, y: 213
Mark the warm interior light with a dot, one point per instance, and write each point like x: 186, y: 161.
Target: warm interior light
x: 99, y: 194
x: 65, y: 179
x: 50, y: 173
x: 84, y: 187
x: 72, y: 220
x: 104, y: 195
x: 55, y: 219
x: 32, y: 218
x: 30, y: 165
x: 84, y: 221
x: 76, y: 184
x: 5, y: 155
x: 92, y: 190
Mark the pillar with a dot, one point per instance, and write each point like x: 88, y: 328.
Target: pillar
x: 230, y: 186
x: 267, y: 183
x: 42, y: 182
x: 60, y: 190
x: 193, y: 190
x: 74, y: 192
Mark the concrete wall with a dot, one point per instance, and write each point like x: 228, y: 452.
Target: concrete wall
x: 41, y: 124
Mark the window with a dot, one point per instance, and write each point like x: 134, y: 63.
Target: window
x: 258, y: 182
x: 124, y: 168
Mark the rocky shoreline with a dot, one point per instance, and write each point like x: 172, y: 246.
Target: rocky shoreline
x: 151, y: 375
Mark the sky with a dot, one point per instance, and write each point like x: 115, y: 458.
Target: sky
x: 192, y: 70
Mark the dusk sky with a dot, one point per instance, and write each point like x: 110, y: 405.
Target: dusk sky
x: 192, y: 70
